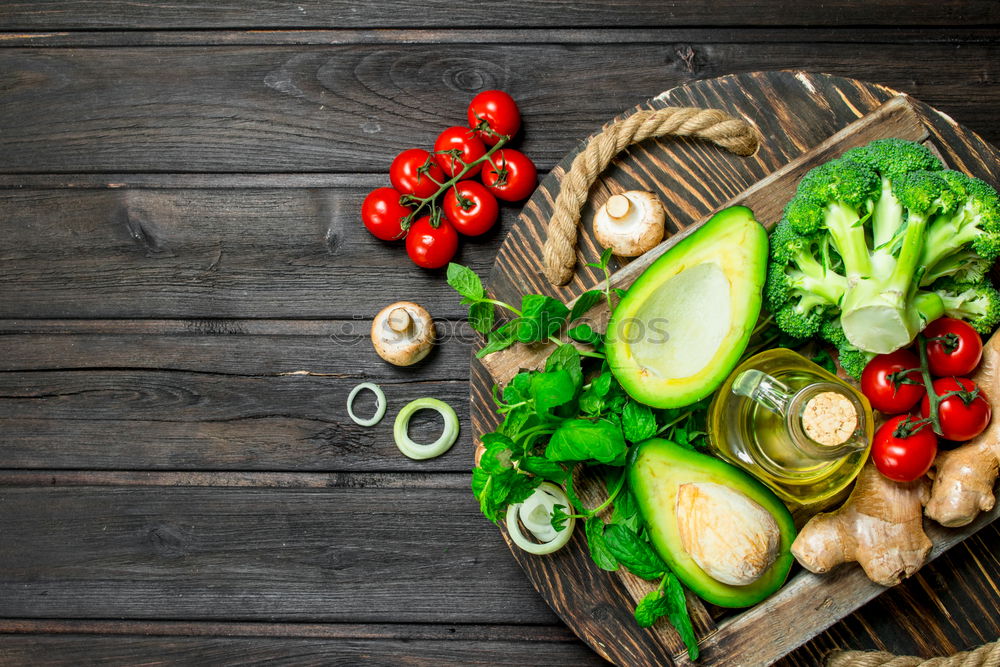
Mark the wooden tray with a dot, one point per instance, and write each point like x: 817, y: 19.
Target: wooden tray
x: 805, y: 119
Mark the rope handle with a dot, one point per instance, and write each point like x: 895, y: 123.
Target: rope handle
x: 987, y: 655
x: 717, y: 126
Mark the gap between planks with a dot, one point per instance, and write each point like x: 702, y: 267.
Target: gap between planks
x: 400, y: 631
x: 236, y: 479
x: 500, y: 36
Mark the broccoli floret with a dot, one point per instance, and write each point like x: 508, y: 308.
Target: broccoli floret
x: 977, y: 303
x: 853, y: 361
x: 797, y: 322
x: 891, y: 158
x: 850, y: 358
x: 894, y: 157
x: 801, y: 285
x: 971, y: 229
x: 866, y: 240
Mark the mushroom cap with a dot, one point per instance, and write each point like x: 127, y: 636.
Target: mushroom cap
x: 630, y: 223
x: 402, y: 333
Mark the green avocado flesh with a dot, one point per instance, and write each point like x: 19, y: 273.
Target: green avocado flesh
x: 685, y: 322
x: 657, y: 469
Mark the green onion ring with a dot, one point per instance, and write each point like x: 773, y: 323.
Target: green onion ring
x: 379, y: 404
x: 416, y: 450
x: 545, y: 497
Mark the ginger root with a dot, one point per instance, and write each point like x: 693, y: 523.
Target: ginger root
x: 880, y: 526
x: 964, y: 476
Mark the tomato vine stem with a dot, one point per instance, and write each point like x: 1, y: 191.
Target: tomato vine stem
x: 424, y: 201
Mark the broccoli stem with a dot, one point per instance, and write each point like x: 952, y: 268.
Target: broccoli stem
x: 886, y: 216
x: 848, y: 235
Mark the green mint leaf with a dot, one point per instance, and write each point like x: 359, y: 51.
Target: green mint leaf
x: 619, y: 292
x: 481, y: 317
x: 499, y: 339
x: 542, y: 467
x: 677, y: 614
x: 496, y: 490
x: 559, y: 517
x: 633, y: 553
x: 638, y: 422
x: 605, y: 258
x: 651, y: 608
x: 592, y: 400
x: 626, y: 510
x: 517, y: 420
x: 498, y: 453
x: 599, y: 552
x: 582, y: 440
x: 583, y: 333
x: 585, y: 302
x: 519, y: 388
x: 551, y: 389
x: 465, y: 281
x: 541, y: 317
x: 567, y: 358
x: 601, y: 263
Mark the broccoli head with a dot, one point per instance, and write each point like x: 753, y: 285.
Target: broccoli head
x: 882, y: 241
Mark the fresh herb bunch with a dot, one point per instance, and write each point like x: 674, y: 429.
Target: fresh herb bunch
x: 570, y: 417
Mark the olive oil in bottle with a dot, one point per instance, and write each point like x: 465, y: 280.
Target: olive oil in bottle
x: 797, y: 428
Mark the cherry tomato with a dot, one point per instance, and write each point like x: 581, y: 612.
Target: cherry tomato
x: 381, y: 212
x: 887, y: 388
x: 959, y: 350
x: 466, y: 143
x: 510, y: 175
x: 471, y: 208
x: 429, y: 247
x: 414, y: 171
x: 903, y: 449
x: 499, y: 111
x: 963, y: 416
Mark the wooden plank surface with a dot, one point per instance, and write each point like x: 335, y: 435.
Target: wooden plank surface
x: 65, y: 14
x: 354, y: 106
x: 124, y: 163
x: 333, y: 554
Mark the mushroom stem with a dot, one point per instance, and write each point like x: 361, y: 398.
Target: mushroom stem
x: 618, y: 206
x: 399, y: 320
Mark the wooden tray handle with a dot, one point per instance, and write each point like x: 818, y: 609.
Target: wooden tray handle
x: 717, y: 126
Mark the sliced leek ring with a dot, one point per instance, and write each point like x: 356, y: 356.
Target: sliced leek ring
x: 536, y: 515
x: 416, y: 450
x: 379, y: 404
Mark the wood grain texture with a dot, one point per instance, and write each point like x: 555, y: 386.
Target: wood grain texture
x: 353, y: 107
x: 209, y: 253
x: 63, y: 14
x: 335, y: 554
x: 802, y: 110
x: 77, y: 642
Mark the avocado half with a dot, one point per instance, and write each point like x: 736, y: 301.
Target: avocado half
x: 657, y: 470
x: 685, y: 322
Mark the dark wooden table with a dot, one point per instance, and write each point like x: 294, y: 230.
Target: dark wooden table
x: 186, y: 293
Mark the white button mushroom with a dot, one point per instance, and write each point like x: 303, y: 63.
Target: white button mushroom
x: 630, y: 223
x: 403, y: 333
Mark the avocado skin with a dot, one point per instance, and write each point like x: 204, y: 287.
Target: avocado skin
x: 672, y: 465
x: 743, y: 241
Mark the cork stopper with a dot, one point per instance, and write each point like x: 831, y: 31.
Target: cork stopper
x: 829, y: 418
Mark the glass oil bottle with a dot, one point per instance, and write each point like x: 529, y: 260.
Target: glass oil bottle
x: 799, y: 429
